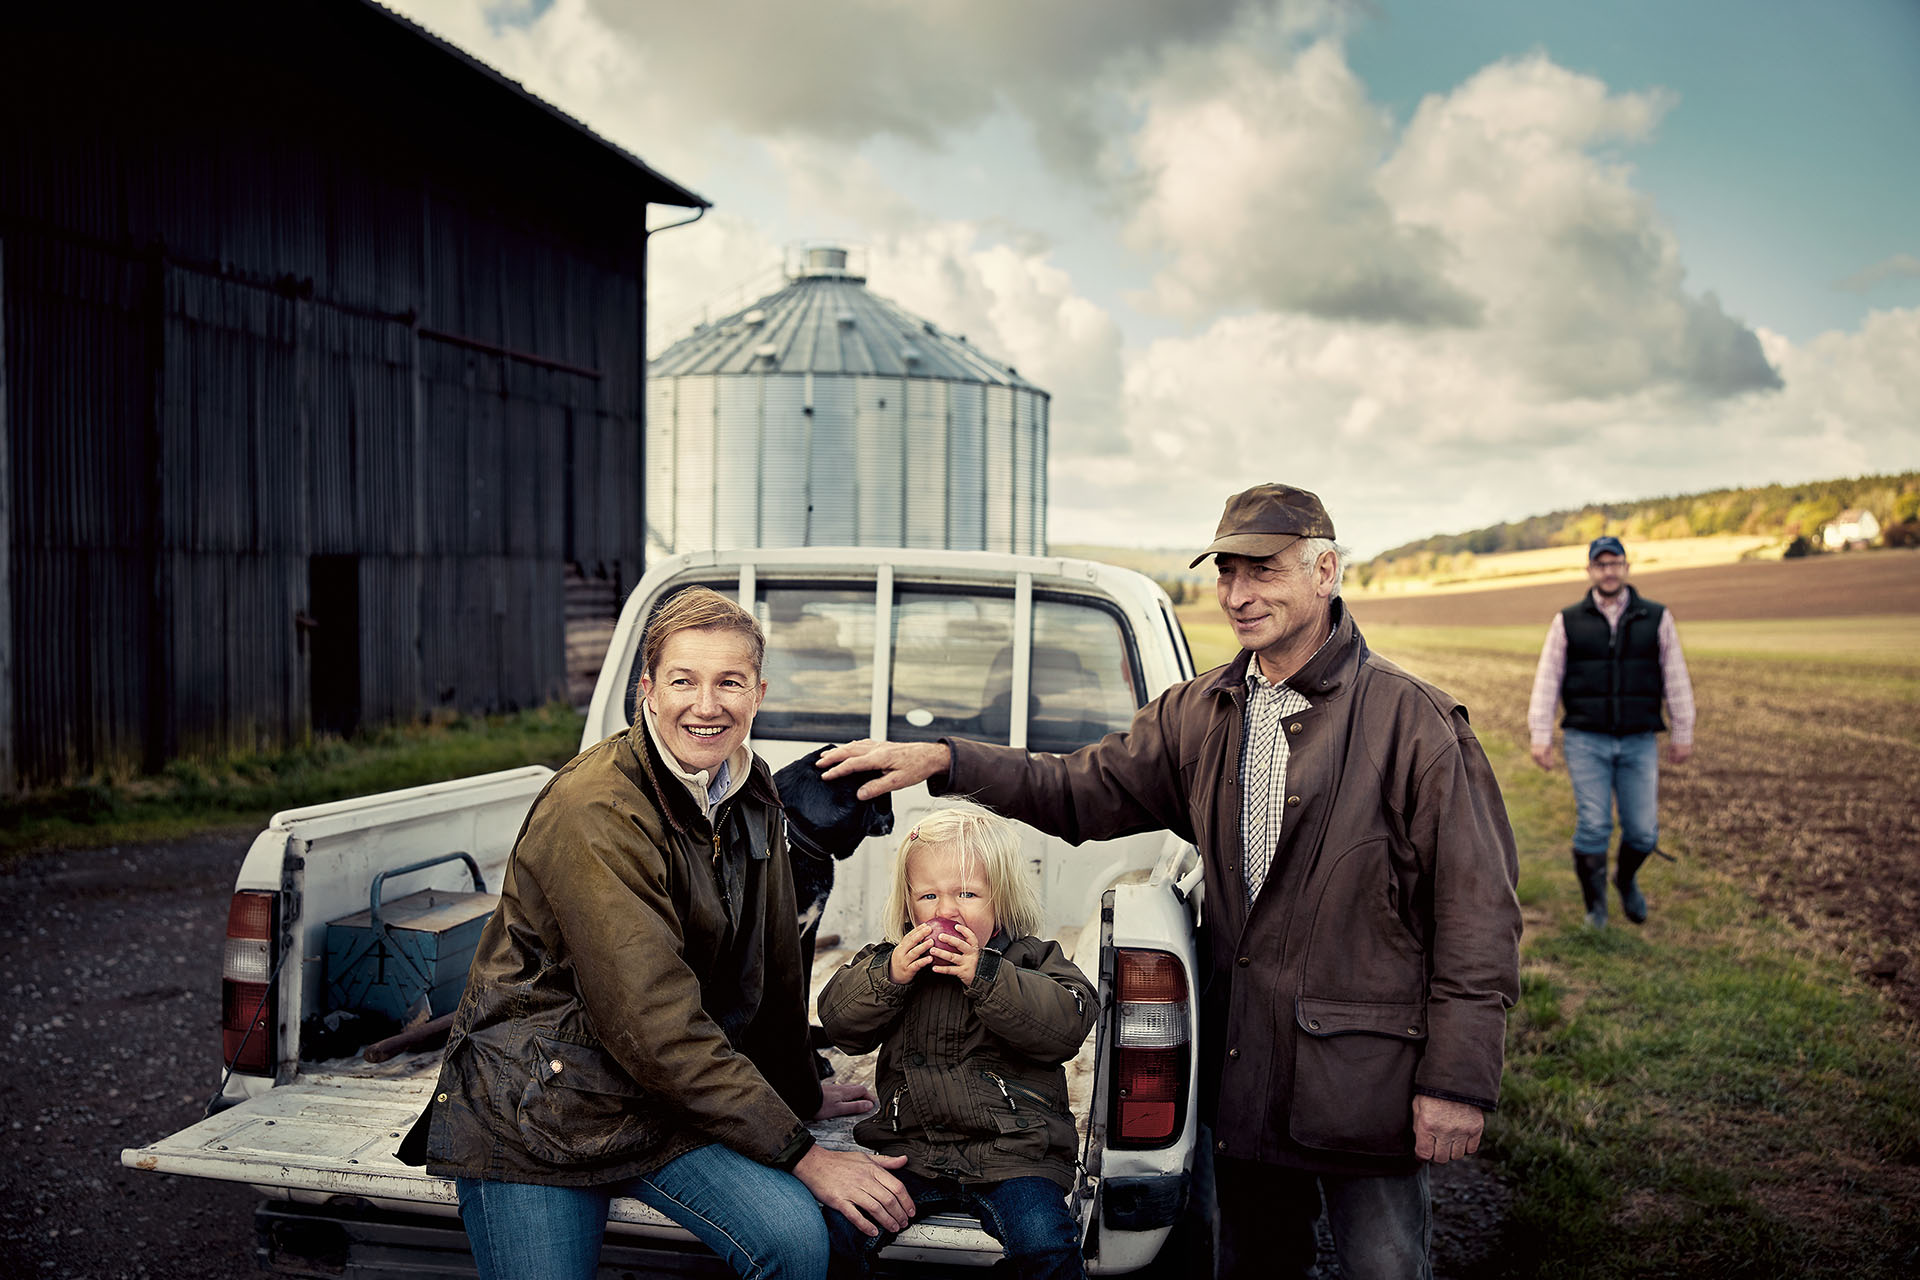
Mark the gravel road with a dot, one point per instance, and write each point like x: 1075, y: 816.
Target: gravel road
x: 110, y: 1002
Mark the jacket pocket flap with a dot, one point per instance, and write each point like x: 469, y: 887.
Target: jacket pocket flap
x: 1319, y: 1017
x: 583, y: 1068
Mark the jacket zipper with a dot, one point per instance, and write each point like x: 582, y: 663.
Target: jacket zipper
x: 893, y: 1109
x: 1011, y: 1104
x: 1033, y: 1096
x: 719, y: 874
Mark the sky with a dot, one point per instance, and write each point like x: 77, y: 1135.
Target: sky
x: 1443, y: 262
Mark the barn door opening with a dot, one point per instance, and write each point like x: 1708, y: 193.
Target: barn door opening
x: 333, y: 593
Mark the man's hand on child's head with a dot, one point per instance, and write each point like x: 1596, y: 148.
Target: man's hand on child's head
x: 958, y: 955
x: 911, y: 954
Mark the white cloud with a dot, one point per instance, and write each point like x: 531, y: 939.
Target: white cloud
x: 1900, y: 266
x: 1278, y: 184
x: 1263, y: 191
x: 1403, y: 437
x: 1583, y: 284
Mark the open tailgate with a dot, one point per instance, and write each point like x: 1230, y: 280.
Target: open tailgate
x: 324, y: 1136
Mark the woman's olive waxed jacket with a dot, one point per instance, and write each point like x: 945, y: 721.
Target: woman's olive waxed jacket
x: 638, y: 991
x: 969, y: 1077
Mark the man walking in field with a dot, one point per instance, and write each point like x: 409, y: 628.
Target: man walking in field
x: 1362, y: 935
x: 1612, y: 657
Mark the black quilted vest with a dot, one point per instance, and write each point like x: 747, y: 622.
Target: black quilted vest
x: 1613, y: 682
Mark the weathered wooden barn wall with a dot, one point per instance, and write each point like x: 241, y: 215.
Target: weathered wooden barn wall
x: 323, y: 363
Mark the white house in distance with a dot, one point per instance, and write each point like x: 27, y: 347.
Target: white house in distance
x: 1853, y: 527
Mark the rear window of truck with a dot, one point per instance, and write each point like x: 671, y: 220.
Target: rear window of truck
x: 952, y: 667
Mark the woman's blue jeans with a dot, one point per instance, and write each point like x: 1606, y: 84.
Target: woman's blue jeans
x: 761, y: 1221
x: 1605, y: 769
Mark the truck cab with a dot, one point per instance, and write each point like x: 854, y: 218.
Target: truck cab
x: 1043, y: 653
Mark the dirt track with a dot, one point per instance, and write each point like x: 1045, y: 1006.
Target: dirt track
x: 1840, y: 586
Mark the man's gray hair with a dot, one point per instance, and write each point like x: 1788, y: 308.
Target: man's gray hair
x: 1311, y: 550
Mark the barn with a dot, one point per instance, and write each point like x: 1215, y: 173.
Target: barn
x: 323, y: 377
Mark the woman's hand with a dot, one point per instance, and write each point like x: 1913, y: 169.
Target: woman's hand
x: 844, y: 1100
x: 958, y: 959
x: 858, y: 1184
x: 911, y: 954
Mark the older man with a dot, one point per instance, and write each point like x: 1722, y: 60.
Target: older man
x: 1362, y: 931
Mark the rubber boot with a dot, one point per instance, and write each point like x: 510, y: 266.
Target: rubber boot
x: 1632, y: 901
x: 1591, y: 868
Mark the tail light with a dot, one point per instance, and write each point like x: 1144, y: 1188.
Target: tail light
x: 248, y: 1004
x: 1152, y: 1058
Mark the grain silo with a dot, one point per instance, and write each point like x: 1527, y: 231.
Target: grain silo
x: 824, y: 415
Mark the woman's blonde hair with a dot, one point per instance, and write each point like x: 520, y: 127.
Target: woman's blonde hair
x: 699, y: 609
x: 981, y: 835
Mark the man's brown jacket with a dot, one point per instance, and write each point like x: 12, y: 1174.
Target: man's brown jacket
x: 1382, y: 953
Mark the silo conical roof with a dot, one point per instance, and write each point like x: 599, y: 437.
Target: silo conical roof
x: 827, y: 321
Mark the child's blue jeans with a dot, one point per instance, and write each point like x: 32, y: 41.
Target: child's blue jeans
x: 1028, y: 1216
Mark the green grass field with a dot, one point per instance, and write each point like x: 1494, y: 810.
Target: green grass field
x: 1730, y: 1090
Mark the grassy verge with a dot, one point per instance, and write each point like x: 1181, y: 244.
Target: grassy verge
x: 1734, y: 1089
x: 191, y: 796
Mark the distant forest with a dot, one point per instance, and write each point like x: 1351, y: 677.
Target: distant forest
x: 1785, y: 511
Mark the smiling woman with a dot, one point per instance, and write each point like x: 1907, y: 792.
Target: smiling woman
x: 702, y: 680
x: 635, y: 1016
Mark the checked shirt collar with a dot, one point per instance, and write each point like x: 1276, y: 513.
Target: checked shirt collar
x: 1263, y: 766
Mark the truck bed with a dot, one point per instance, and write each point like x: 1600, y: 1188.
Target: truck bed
x: 331, y: 1132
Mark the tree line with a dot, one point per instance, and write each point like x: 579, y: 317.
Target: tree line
x: 1793, y: 513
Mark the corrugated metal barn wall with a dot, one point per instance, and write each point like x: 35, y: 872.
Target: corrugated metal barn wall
x: 251, y: 371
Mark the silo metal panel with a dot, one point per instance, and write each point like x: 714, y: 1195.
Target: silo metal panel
x: 966, y: 467
x: 662, y: 433
x: 783, y: 466
x: 879, y: 416
x: 693, y: 465
x: 830, y: 469
x: 1042, y: 429
x: 998, y: 466
x: 1023, y: 470
x: 736, y: 466
x: 926, y: 442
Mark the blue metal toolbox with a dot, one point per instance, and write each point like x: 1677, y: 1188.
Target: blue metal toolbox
x: 384, y: 959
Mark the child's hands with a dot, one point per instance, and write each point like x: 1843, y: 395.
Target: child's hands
x: 911, y: 954
x: 957, y: 954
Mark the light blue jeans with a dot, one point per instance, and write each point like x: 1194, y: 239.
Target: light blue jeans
x: 1605, y: 769
x: 761, y: 1221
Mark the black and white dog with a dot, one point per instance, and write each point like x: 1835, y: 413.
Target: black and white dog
x: 826, y: 822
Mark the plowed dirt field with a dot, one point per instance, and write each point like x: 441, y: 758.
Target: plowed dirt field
x: 1833, y: 586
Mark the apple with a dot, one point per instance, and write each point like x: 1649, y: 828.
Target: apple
x: 946, y: 931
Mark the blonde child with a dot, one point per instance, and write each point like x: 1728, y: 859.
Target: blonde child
x: 973, y: 1016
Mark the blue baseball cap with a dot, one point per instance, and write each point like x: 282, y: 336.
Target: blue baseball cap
x: 1603, y: 544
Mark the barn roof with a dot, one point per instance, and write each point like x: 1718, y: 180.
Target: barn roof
x: 667, y: 190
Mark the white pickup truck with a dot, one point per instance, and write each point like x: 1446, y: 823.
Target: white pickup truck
x: 1044, y: 653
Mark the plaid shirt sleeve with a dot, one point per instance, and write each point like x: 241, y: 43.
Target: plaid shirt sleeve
x: 1679, y: 685
x: 1548, y: 675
